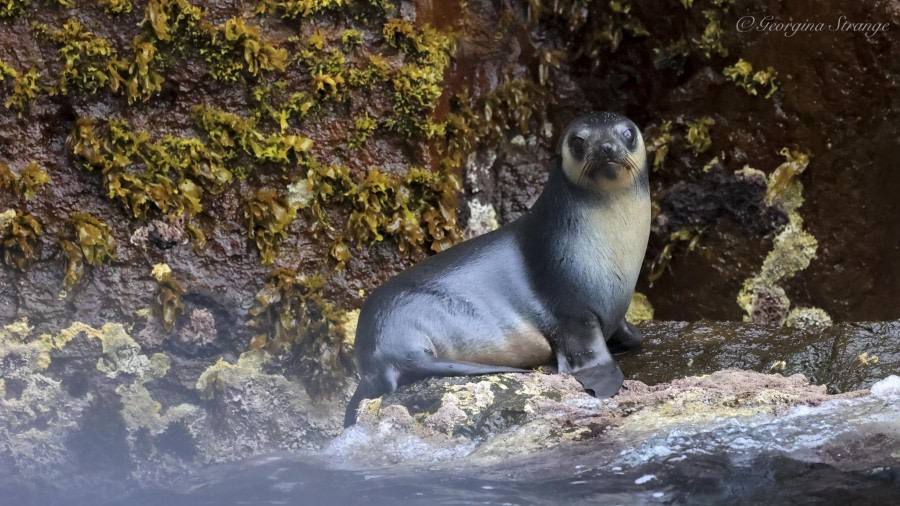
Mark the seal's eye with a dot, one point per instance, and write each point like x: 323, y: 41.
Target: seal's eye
x: 628, y: 135
x: 576, y: 146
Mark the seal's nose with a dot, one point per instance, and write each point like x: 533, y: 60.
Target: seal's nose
x: 607, y: 148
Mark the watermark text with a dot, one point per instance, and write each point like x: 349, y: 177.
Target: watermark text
x: 791, y: 28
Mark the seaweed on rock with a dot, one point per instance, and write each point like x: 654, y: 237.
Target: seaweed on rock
x: 294, y: 318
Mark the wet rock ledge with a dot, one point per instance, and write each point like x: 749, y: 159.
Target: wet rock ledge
x: 732, y: 437
x: 497, y: 417
x: 89, y: 409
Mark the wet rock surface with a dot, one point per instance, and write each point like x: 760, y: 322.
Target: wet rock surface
x: 507, y: 415
x: 733, y: 437
x: 843, y: 357
x: 89, y: 411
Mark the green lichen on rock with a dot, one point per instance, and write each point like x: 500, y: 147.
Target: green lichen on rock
x: 808, y: 318
x: 742, y: 74
x: 783, y: 190
x: 214, y: 379
x: 38, y: 418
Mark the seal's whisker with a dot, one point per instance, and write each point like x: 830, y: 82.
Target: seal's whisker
x: 583, y: 168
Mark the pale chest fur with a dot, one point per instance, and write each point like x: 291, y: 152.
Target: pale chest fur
x: 608, y: 252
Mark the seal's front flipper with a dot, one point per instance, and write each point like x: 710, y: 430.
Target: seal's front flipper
x: 602, y: 380
x: 583, y: 353
x: 627, y: 337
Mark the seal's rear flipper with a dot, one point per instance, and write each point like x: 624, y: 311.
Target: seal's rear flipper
x: 365, y: 390
x: 602, y: 381
x: 428, y: 368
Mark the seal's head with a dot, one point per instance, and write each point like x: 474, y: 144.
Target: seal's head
x: 604, y: 153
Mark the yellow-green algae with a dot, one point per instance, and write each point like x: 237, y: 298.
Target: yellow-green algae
x: 268, y: 216
x: 170, y: 177
x: 91, y: 63
x: 116, y: 6
x: 793, y: 248
x: 598, y: 28
x: 294, y: 318
x: 213, y: 380
x: 27, y: 183
x: 698, y: 137
x: 12, y: 8
x: 91, y: 243
x: 19, y: 235
x: 710, y: 42
x: 417, y: 211
x: 742, y: 74
x: 25, y: 87
x: 640, y: 309
x: 165, y: 184
x: 659, y: 143
x: 168, y: 306
x: 32, y: 179
x: 417, y: 85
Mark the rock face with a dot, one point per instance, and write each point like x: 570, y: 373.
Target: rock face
x: 274, y: 161
x: 491, y: 119
x: 86, y: 410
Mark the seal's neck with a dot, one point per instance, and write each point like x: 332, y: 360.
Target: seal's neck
x: 562, y: 201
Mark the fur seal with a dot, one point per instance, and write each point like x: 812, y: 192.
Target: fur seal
x: 553, y: 284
